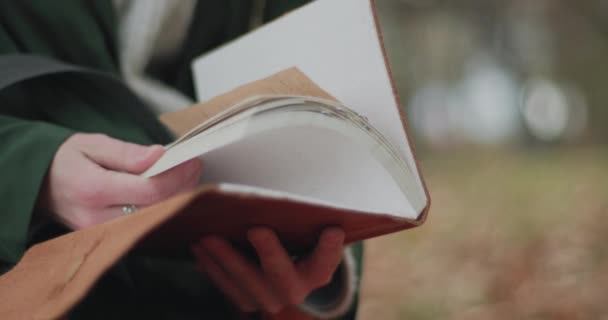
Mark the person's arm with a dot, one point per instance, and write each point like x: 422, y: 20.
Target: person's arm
x: 28, y: 148
x: 75, y: 179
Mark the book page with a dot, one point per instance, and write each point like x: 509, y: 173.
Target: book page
x: 303, y: 149
x: 334, y: 42
x: 317, y: 164
x: 287, y: 82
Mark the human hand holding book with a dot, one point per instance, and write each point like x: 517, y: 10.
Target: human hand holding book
x: 279, y: 152
x: 92, y: 174
x: 300, y: 128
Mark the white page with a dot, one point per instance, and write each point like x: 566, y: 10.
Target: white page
x: 303, y: 153
x: 315, y: 164
x: 330, y: 41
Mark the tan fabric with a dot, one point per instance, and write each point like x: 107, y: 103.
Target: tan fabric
x: 55, y: 275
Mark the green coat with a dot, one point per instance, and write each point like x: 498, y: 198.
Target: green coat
x: 37, y: 116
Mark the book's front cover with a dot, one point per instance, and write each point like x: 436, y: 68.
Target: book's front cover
x: 298, y: 224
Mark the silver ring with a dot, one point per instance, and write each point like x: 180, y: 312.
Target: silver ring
x: 129, y: 209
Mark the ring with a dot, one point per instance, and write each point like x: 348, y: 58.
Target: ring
x: 128, y: 209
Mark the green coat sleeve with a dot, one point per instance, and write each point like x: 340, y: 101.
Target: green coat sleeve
x: 37, y: 116
x: 27, y: 150
x: 28, y: 137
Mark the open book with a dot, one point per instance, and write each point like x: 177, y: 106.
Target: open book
x: 281, y: 151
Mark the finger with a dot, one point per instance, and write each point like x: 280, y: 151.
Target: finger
x: 207, y: 265
x: 85, y: 218
x: 147, y: 191
x: 323, y: 261
x: 278, y: 266
x: 118, y: 155
x: 117, y: 188
x: 243, y: 273
x: 192, y: 183
x: 92, y: 214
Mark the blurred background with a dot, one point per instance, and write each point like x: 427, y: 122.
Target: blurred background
x: 507, y: 104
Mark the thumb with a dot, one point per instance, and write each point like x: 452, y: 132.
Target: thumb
x: 118, y: 155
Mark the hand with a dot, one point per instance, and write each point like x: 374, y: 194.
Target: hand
x: 92, y: 176
x: 278, y: 281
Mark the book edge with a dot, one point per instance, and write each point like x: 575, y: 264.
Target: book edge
x: 423, y: 215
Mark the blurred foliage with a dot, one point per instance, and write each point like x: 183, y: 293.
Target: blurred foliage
x: 514, y: 232
x: 511, y: 235
x: 566, y: 41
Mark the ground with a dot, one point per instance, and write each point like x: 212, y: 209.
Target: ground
x: 512, y: 234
